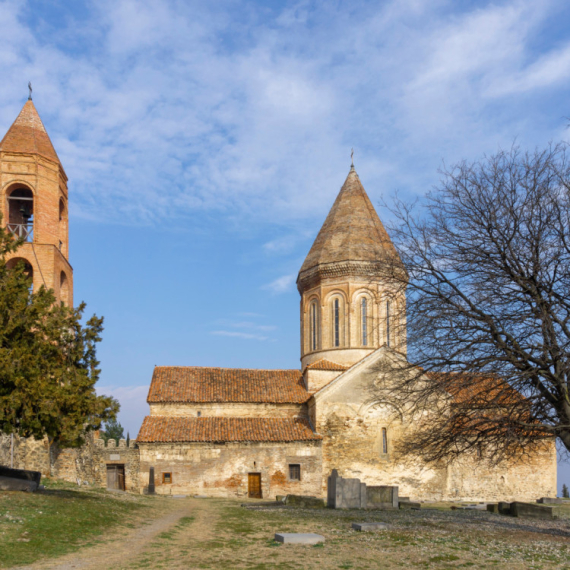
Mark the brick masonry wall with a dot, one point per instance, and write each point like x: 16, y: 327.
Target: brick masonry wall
x: 350, y: 291
x: 221, y: 470
x: 48, y: 257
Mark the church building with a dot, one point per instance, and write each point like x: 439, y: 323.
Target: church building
x: 260, y: 433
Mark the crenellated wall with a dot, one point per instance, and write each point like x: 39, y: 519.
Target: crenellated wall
x: 81, y: 465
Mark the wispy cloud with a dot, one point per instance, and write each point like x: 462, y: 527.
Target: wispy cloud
x: 164, y: 110
x: 244, y: 335
x: 247, y: 330
x: 281, y: 284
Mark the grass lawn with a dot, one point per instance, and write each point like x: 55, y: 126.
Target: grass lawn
x: 60, y: 519
x: 100, y: 530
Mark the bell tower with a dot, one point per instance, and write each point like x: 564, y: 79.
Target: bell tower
x: 33, y: 187
x: 352, y: 284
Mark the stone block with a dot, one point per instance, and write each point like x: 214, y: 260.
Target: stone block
x: 111, y: 443
x: 409, y: 505
x: 369, y: 527
x: 12, y: 484
x: 298, y: 538
x: 382, y: 497
x: 345, y: 493
x: 504, y: 508
x: 493, y: 508
x: 304, y: 502
x: 23, y: 474
x: 532, y: 511
x: 550, y: 500
x: 122, y: 443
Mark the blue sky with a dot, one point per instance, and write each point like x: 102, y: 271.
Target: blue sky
x: 205, y: 142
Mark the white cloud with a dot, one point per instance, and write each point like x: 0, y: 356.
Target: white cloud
x: 550, y: 69
x: 159, y: 111
x: 281, y: 284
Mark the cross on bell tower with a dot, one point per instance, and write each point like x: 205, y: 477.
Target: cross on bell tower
x: 33, y: 186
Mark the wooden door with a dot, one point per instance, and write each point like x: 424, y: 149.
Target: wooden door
x: 116, y: 477
x: 254, y: 485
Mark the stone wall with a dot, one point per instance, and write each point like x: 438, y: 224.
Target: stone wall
x: 221, y: 470
x: 82, y: 465
x: 228, y: 409
x: 353, y: 445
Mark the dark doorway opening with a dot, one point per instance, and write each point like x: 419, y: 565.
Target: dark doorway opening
x: 254, y: 485
x: 116, y: 477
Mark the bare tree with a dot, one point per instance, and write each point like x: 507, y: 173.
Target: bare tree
x: 488, y: 312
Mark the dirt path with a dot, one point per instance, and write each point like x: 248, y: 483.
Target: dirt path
x: 117, y: 550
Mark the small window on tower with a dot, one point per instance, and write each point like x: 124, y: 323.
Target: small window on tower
x: 295, y: 472
x: 336, y: 323
x: 384, y: 441
x: 167, y: 478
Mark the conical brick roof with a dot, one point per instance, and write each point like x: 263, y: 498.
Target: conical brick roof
x: 352, y: 231
x: 28, y: 135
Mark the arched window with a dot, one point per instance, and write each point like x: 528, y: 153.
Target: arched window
x: 384, y: 441
x: 63, y: 288
x: 28, y: 269
x: 388, y: 323
x: 336, y: 322
x: 364, y: 321
x: 314, y: 326
x: 20, y: 213
x: 61, y: 210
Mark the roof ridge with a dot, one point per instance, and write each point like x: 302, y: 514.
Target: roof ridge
x: 228, y: 368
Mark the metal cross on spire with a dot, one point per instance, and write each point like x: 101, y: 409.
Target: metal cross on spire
x: 30, y: 88
x: 351, y: 159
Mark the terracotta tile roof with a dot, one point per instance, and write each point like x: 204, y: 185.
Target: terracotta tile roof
x: 28, y: 134
x: 324, y: 364
x: 352, y: 231
x: 476, y: 389
x: 194, y: 384
x: 212, y: 429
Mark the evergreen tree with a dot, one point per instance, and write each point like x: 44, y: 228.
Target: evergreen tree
x: 565, y: 493
x: 48, y: 364
x: 112, y: 430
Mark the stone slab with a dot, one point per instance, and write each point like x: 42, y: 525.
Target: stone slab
x: 23, y: 474
x: 550, y: 500
x: 298, y: 538
x: 381, y: 497
x: 304, y: 502
x: 409, y: 505
x: 13, y: 484
x: 504, y: 508
x: 369, y: 527
x: 532, y: 511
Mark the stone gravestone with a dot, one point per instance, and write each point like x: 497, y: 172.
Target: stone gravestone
x: 345, y: 493
x: 382, y: 497
x: 151, y: 481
